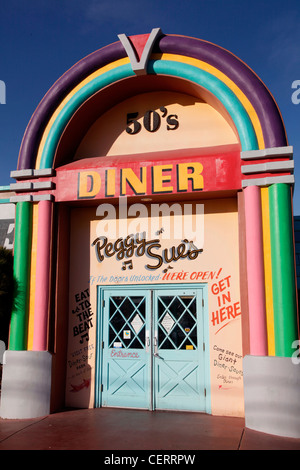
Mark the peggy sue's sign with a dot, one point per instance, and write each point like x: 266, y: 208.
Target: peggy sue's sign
x: 111, y: 177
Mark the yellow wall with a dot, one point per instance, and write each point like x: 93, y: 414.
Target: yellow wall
x: 219, y: 265
x: 200, y: 125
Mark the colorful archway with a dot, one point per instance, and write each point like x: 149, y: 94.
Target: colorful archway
x: 247, y: 100
x: 264, y: 167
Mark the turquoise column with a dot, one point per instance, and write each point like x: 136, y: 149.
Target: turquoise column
x: 283, y: 269
x: 22, y: 248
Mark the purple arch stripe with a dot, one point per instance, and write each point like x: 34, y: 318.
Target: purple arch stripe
x: 57, y: 92
x: 264, y: 104
x: 260, y: 97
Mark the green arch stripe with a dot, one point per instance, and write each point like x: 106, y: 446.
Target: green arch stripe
x: 208, y: 81
x: 221, y: 91
x: 108, y: 78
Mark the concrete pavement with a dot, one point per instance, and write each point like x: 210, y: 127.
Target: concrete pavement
x: 125, y: 429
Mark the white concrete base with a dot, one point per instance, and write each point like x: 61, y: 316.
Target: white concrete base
x: 272, y: 395
x: 26, y: 384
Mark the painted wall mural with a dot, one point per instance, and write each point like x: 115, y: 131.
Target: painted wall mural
x: 157, y: 256
x: 82, y: 350
x: 156, y: 121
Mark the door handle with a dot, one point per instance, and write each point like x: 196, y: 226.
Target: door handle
x: 147, y: 341
x: 155, y: 342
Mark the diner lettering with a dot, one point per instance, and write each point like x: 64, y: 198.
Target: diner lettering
x: 157, y: 179
x: 83, y: 312
x: 226, y: 310
x: 151, y: 121
x: 124, y: 354
x: 124, y: 248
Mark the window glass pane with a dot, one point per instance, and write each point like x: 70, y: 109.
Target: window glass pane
x: 177, y: 322
x: 127, y: 322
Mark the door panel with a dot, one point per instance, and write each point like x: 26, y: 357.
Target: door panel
x: 125, y: 361
x: 178, y: 355
x: 152, y: 354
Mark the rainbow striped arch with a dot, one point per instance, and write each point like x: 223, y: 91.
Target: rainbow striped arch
x: 195, y: 62
x: 44, y: 242
x: 152, y: 62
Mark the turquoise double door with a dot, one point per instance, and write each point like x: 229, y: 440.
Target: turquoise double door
x: 151, y: 348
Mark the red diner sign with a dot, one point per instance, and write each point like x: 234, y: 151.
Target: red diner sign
x: 180, y: 171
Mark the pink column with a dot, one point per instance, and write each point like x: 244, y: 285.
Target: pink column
x: 255, y: 272
x: 42, y: 283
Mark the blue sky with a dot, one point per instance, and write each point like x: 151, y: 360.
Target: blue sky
x: 41, y: 39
